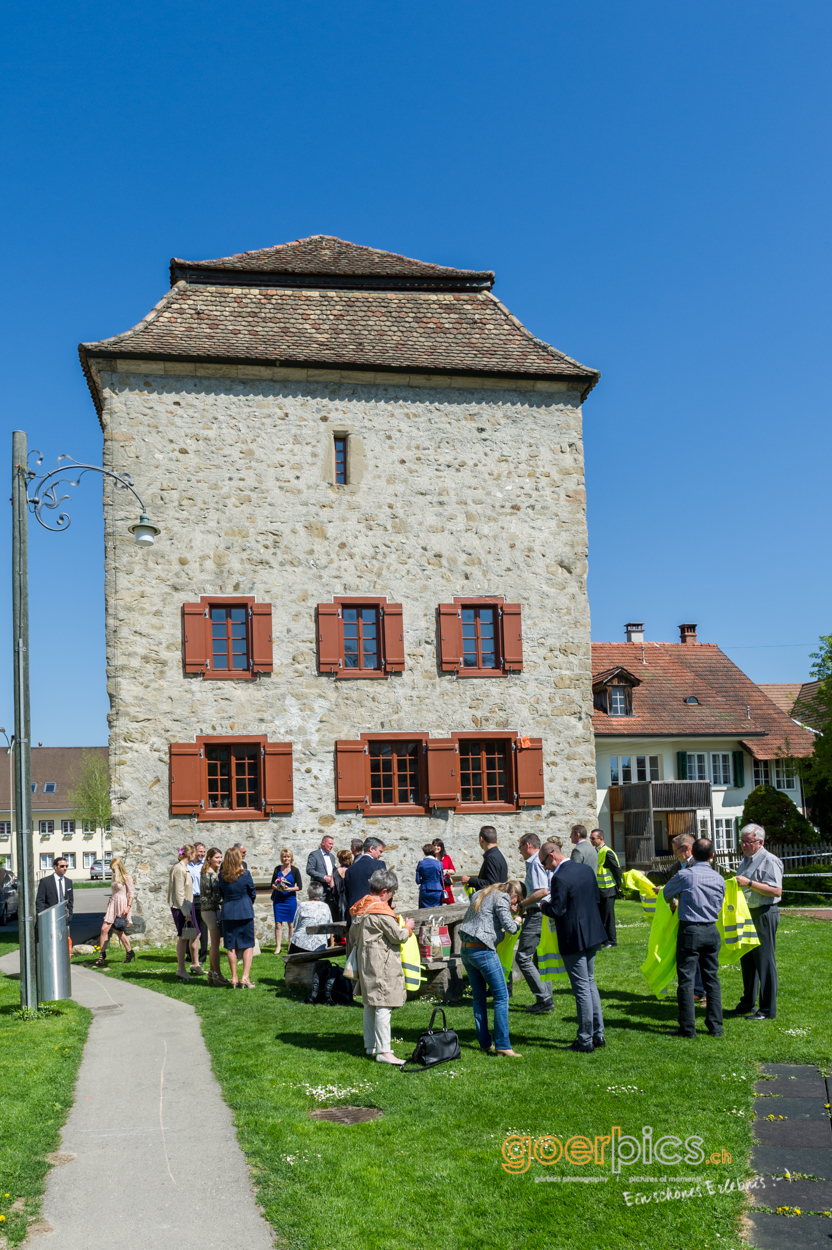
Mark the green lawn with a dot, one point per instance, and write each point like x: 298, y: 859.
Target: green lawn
x: 429, y: 1174
x: 38, y: 1065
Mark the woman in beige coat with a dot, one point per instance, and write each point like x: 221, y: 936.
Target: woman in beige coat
x: 378, y: 938
x: 181, y: 904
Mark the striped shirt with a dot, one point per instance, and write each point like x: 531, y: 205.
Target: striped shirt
x: 701, y: 892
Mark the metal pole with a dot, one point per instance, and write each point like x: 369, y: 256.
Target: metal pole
x: 22, y: 756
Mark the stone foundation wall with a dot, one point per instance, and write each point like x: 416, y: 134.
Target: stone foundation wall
x: 453, y: 491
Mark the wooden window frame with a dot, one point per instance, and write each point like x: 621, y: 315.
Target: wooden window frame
x: 258, y: 665
x: 396, y: 809
x: 509, y: 739
x: 336, y: 439
x: 389, y: 617
x: 197, y: 752
x: 628, y: 699
x: 508, y: 636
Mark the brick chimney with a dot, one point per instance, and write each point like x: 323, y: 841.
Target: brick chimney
x: 687, y: 635
x: 635, y: 631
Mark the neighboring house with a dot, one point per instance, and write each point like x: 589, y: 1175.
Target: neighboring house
x: 682, y: 736
x: 54, y: 827
x: 366, y: 611
x: 796, y: 700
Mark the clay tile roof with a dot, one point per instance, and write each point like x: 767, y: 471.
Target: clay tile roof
x: 50, y: 764
x: 370, y: 310
x: 730, y: 704
x: 782, y: 693
x: 326, y: 254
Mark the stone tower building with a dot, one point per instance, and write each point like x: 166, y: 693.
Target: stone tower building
x: 366, y: 612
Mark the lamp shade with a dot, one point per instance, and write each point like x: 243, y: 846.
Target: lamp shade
x: 144, y: 531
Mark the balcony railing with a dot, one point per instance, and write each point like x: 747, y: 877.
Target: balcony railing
x: 660, y: 796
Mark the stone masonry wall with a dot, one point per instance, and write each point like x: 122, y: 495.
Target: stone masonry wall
x: 453, y: 492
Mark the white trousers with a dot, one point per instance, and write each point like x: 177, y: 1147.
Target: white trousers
x: 377, y: 1029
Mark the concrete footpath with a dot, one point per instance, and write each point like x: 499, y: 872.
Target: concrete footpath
x: 149, y: 1154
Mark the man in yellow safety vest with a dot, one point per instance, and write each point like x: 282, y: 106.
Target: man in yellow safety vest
x: 609, y: 883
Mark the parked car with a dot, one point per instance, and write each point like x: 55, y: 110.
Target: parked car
x: 8, y: 896
x: 100, y: 872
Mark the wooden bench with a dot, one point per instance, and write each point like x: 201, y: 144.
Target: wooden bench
x: 444, y: 978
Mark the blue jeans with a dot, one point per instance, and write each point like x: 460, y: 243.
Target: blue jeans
x: 485, y: 971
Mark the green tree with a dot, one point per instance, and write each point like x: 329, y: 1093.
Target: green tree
x: 778, y: 815
x: 816, y: 769
x: 90, y: 794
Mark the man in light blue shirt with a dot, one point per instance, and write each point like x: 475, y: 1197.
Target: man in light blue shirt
x: 700, y: 891
x: 195, y: 869
x: 537, y: 889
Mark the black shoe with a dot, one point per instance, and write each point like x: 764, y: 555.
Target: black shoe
x: 131, y: 955
x: 583, y: 1050
x: 757, y: 1015
x: 715, y: 1032
x: 742, y: 1009
x: 540, y: 1009
x: 101, y: 963
x: 679, y: 1033
x: 598, y: 1042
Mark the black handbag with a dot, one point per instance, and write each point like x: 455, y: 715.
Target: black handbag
x: 435, y: 1046
x: 120, y: 924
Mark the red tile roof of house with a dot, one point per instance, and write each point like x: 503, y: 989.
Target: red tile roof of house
x: 729, y: 703
x: 61, y: 765
x: 432, y: 319
x: 783, y: 693
x: 326, y: 254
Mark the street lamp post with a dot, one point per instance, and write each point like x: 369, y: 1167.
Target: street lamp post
x: 44, y: 496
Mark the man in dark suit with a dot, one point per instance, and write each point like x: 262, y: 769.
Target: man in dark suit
x: 494, y: 867
x: 320, y: 867
x: 357, y: 876
x: 574, y: 909
x: 55, y: 888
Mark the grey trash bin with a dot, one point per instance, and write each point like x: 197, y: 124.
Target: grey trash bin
x: 54, y: 976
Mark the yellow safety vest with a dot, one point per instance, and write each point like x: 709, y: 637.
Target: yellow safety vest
x: 505, y: 952
x: 549, y: 958
x: 736, y: 927
x: 411, y: 962
x: 644, y: 887
x: 606, y: 881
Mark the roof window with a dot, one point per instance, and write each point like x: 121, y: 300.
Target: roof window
x: 691, y: 699
x: 50, y: 787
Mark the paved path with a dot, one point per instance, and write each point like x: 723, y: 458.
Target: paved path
x: 800, y: 1144
x: 155, y: 1159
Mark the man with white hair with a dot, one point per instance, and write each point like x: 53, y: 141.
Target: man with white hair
x: 760, y: 876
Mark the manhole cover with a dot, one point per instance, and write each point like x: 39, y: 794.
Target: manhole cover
x: 347, y: 1115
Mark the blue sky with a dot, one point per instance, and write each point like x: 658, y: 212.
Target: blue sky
x: 649, y: 181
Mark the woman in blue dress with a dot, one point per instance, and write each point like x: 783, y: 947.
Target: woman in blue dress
x: 286, y: 885
x: 236, y: 889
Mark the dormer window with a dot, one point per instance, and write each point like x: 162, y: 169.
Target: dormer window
x: 612, y: 692
x: 692, y: 699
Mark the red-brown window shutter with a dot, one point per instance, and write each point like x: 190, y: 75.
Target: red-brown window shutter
x: 278, y: 792
x: 351, y: 788
x: 392, y: 628
x: 330, y: 637
x: 443, y: 772
x: 512, y: 637
x: 450, y: 637
x: 185, y: 778
x: 261, y: 638
x: 529, y: 764
x: 195, y: 636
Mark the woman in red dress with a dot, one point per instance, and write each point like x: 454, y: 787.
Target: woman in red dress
x: 448, y: 865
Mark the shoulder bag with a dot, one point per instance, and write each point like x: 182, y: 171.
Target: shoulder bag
x: 435, y: 1046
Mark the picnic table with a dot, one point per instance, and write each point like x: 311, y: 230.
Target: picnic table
x: 443, y: 977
